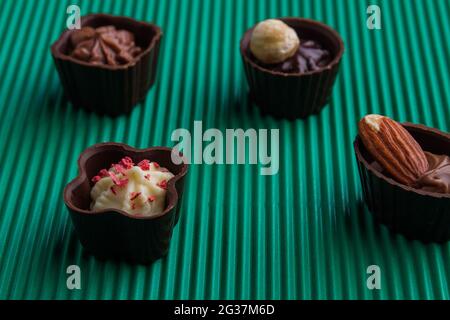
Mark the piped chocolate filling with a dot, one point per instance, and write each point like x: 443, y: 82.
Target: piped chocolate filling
x: 104, y: 45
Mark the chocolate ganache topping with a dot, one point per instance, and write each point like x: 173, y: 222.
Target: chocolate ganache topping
x: 104, y: 45
x: 437, y: 178
x: 310, y: 56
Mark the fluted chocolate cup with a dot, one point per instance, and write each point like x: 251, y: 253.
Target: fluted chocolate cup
x: 417, y: 214
x: 113, y: 233
x: 294, y: 95
x: 106, y: 89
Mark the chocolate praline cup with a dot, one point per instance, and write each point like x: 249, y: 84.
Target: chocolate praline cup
x: 294, y: 95
x: 417, y: 214
x: 115, y: 233
x: 106, y: 89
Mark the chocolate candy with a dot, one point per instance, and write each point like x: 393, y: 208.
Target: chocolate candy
x: 300, y: 85
x: 109, y: 65
x: 419, y: 212
x: 113, y: 232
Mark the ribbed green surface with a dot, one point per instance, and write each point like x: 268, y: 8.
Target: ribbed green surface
x: 302, y: 234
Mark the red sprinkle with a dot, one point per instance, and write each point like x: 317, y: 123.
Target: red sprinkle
x: 103, y: 173
x: 119, y: 168
x: 151, y: 198
x: 117, y: 181
x: 156, y: 164
x: 134, y: 195
x: 133, y: 206
x: 127, y: 163
x: 147, y: 176
x: 162, y: 184
x: 113, y: 191
x: 144, y: 164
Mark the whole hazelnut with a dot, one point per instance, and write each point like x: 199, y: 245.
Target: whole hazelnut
x: 273, y: 41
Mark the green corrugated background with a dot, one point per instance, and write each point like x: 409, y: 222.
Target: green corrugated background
x: 302, y: 234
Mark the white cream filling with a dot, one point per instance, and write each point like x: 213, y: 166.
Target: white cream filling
x: 144, y: 194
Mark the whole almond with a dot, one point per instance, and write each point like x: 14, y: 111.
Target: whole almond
x: 393, y: 148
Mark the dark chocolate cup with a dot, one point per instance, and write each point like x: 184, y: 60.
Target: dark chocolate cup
x: 416, y: 214
x: 294, y: 95
x: 115, y: 233
x: 104, y: 89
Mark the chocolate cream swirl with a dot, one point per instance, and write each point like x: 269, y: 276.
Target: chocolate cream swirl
x: 104, y: 45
